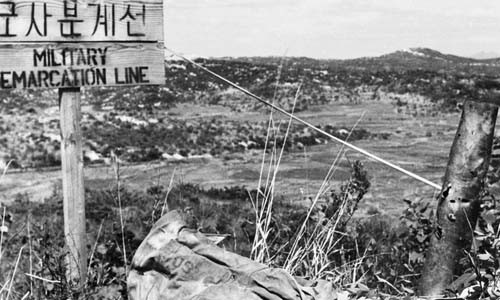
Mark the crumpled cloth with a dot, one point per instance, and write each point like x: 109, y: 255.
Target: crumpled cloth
x: 175, y: 262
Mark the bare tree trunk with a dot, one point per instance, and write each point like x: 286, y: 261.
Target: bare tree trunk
x: 459, y: 201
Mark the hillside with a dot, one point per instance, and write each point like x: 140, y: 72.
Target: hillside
x: 145, y: 123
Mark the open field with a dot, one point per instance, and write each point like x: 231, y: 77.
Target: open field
x: 418, y: 143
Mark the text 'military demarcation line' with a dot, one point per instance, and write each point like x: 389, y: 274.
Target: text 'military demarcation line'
x: 349, y: 145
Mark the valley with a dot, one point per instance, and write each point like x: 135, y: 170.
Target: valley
x: 420, y: 144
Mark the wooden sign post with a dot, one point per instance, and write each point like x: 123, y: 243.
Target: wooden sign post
x: 72, y: 183
x: 68, y: 44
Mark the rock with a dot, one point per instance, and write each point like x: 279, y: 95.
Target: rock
x: 92, y: 156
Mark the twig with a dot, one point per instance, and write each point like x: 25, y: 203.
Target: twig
x: 388, y: 283
x: 169, y: 189
x: 1, y: 233
x: 14, y: 273
x: 30, y: 253
x: 116, y: 166
x: 5, y: 169
x: 42, y: 279
x: 94, y: 249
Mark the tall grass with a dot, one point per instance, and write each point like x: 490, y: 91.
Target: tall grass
x: 264, y: 199
x: 309, y: 250
x: 6, y: 287
x: 3, y: 228
x: 325, y: 237
x: 116, y: 168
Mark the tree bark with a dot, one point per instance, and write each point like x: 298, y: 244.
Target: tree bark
x: 459, y: 201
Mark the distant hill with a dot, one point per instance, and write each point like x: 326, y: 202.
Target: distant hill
x: 485, y: 55
x: 407, y: 59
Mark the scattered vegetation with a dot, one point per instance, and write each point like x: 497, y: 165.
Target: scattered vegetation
x: 373, y: 256
x: 29, y: 122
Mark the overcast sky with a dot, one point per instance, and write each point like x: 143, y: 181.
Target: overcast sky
x: 330, y: 28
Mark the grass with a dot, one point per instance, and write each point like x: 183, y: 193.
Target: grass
x: 327, y: 244
x: 309, y: 253
x: 260, y: 249
x: 320, y: 242
x: 5, y: 293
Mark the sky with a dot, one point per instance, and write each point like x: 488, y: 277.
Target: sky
x: 330, y: 28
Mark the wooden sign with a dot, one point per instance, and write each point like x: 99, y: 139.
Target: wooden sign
x: 80, y: 65
x: 74, y: 43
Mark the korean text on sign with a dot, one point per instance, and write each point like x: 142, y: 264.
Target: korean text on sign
x: 49, y: 21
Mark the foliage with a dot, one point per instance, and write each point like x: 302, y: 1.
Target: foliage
x: 371, y: 256
x: 395, y: 250
x: 319, y: 244
x: 36, y: 228
x: 481, y: 279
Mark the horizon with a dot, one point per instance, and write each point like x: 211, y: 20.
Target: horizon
x: 488, y: 55
x: 331, y: 29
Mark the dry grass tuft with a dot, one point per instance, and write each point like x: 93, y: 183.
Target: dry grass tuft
x: 309, y: 250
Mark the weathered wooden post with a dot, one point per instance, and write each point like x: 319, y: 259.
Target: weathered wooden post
x: 459, y: 201
x: 72, y: 184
